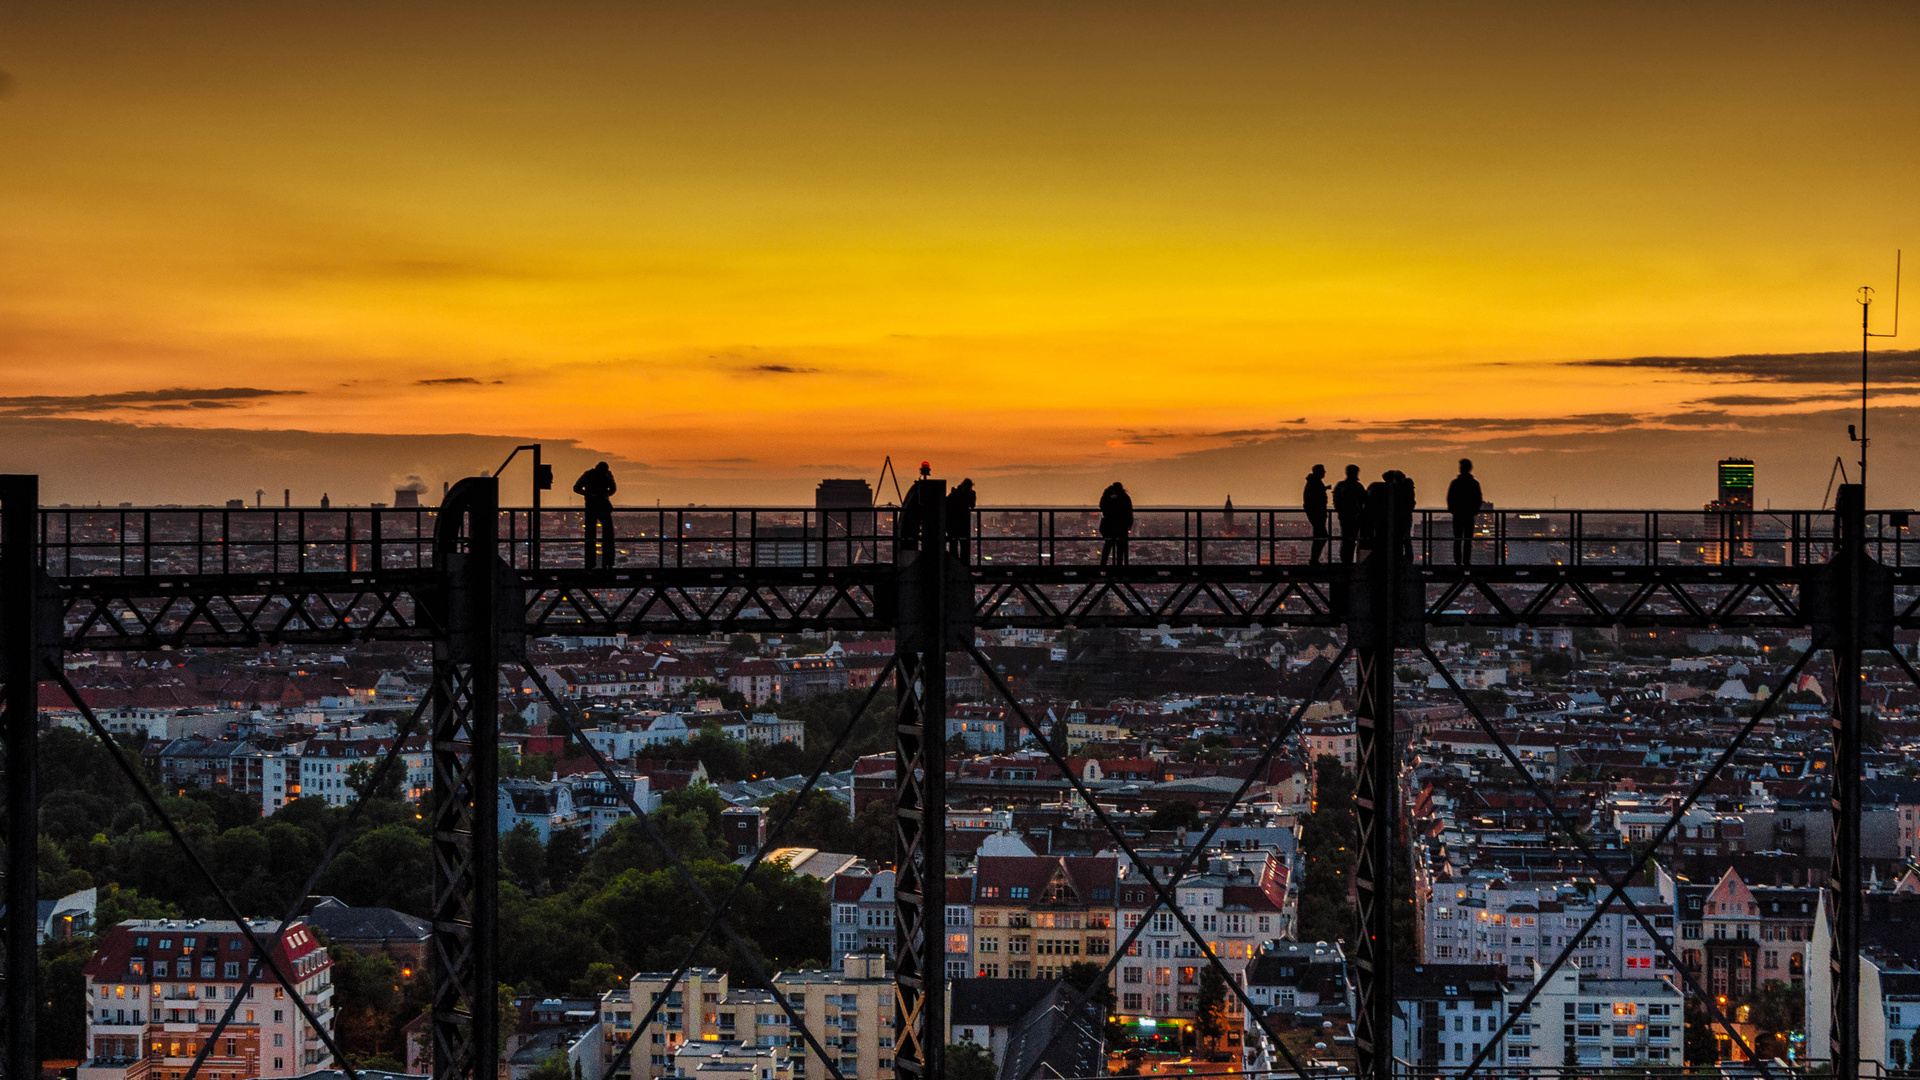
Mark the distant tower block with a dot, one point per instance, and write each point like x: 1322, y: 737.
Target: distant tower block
x: 405, y: 497
x: 847, y: 520
x: 843, y: 495
x: 1730, y: 517
x: 1736, y: 483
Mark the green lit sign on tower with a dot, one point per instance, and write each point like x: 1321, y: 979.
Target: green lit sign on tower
x: 1736, y: 483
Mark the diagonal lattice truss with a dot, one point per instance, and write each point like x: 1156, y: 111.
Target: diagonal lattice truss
x: 157, y: 612
x: 1298, y: 595
x: 154, y: 612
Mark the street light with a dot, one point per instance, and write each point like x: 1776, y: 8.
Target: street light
x: 542, y: 481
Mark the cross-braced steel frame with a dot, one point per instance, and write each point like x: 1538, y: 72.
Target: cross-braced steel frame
x: 473, y: 579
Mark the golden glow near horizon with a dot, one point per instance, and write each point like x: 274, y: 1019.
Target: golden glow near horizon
x: 781, y: 237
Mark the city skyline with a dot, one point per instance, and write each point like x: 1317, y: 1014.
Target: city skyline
x: 734, y: 250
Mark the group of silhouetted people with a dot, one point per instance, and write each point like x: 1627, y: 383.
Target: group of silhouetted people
x: 1363, y: 511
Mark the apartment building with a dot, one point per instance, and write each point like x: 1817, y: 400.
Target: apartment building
x: 862, y: 909
x: 156, y: 988
x: 959, y: 948
x: 732, y: 1061
x: 1036, y: 915
x: 586, y: 801
x: 1446, y: 1014
x: 1736, y: 938
x: 848, y: 1010
x: 851, y: 1011
x: 242, y: 765
x: 1329, y: 738
x: 1238, y: 904
x: 326, y: 767
x: 689, y: 1012
x: 1581, y: 1020
x: 1490, y: 920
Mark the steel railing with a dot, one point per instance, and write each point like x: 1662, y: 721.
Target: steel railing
x: 162, y: 541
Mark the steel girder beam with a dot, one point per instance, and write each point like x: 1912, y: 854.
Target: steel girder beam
x: 19, y: 666
x: 1384, y: 615
x: 756, y: 599
x: 464, y: 812
x: 920, y: 785
x: 140, y: 612
x: 1854, y: 603
x: 242, y: 611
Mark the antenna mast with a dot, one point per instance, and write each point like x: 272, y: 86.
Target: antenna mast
x: 1866, y: 306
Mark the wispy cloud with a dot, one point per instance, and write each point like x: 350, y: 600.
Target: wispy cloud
x: 167, y: 400
x: 1735, y: 401
x: 1892, y: 366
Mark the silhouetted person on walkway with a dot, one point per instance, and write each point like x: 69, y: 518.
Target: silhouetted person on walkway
x: 907, y: 524
x: 596, y: 486
x: 960, y: 503
x: 1116, y: 522
x: 1403, y: 513
x: 1350, y: 506
x: 1392, y: 494
x: 1313, y: 499
x: 1463, y: 502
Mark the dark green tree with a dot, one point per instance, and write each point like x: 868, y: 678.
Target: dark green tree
x: 821, y: 822
x: 360, y: 777
x: 63, y: 996
x: 566, y: 857
x: 554, y: 1066
x: 1212, y: 1007
x: 969, y: 1061
x: 524, y: 858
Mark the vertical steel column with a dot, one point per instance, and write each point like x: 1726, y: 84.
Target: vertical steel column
x: 1849, y: 570
x: 920, y: 779
x: 1378, y: 618
x: 19, y: 624
x: 466, y: 840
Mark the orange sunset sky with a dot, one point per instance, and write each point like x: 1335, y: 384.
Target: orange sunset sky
x: 736, y: 247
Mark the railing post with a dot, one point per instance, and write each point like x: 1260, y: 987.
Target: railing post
x: 465, y: 837
x: 19, y: 657
x: 920, y: 782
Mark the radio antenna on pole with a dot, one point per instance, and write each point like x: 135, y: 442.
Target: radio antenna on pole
x: 886, y: 470
x: 1866, y: 306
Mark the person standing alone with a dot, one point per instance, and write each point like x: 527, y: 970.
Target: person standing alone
x: 1116, y: 522
x: 596, y: 486
x: 1314, y: 501
x: 960, y: 504
x: 1463, y: 502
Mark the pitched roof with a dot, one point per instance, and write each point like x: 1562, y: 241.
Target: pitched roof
x: 359, y: 925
